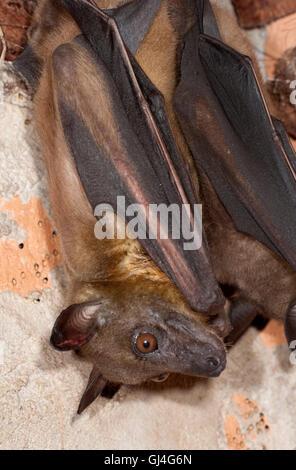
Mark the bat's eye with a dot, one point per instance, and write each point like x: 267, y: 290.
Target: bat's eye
x: 146, y: 343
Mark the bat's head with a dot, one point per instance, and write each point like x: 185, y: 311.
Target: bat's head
x: 143, y: 333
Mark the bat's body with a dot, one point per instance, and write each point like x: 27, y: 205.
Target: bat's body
x: 117, y: 289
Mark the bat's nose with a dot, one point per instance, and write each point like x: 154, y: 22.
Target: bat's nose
x: 213, y: 362
x: 216, y: 364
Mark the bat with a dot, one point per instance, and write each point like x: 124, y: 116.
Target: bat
x: 113, y: 89
x: 138, y: 312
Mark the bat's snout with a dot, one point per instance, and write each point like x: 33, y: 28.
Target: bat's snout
x: 209, y: 361
x: 200, y: 351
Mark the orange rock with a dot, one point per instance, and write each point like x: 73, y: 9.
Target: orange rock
x: 280, y: 64
x: 234, y: 435
x: 255, y: 419
x: 25, y: 267
x: 273, y: 334
x: 281, y: 37
x: 15, y: 18
x: 246, y: 407
x: 254, y: 13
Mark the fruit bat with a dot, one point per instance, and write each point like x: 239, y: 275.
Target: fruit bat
x: 116, y: 92
x: 139, y: 312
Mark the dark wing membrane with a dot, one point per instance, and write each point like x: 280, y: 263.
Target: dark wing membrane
x: 244, y: 152
x: 206, y: 18
x: 135, y: 155
x: 286, y: 143
x: 134, y: 20
x: 29, y: 66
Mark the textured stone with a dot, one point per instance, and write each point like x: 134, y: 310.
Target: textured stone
x: 280, y: 59
x: 15, y: 17
x: 254, y: 13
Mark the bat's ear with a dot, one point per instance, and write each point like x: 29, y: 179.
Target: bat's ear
x: 75, y: 326
x: 95, y: 387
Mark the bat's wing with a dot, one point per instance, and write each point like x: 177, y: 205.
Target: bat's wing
x: 117, y: 131
x: 243, y: 150
x: 29, y: 65
x: 133, y: 19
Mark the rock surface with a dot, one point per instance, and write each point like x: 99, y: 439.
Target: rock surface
x: 15, y: 18
x: 254, y: 13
